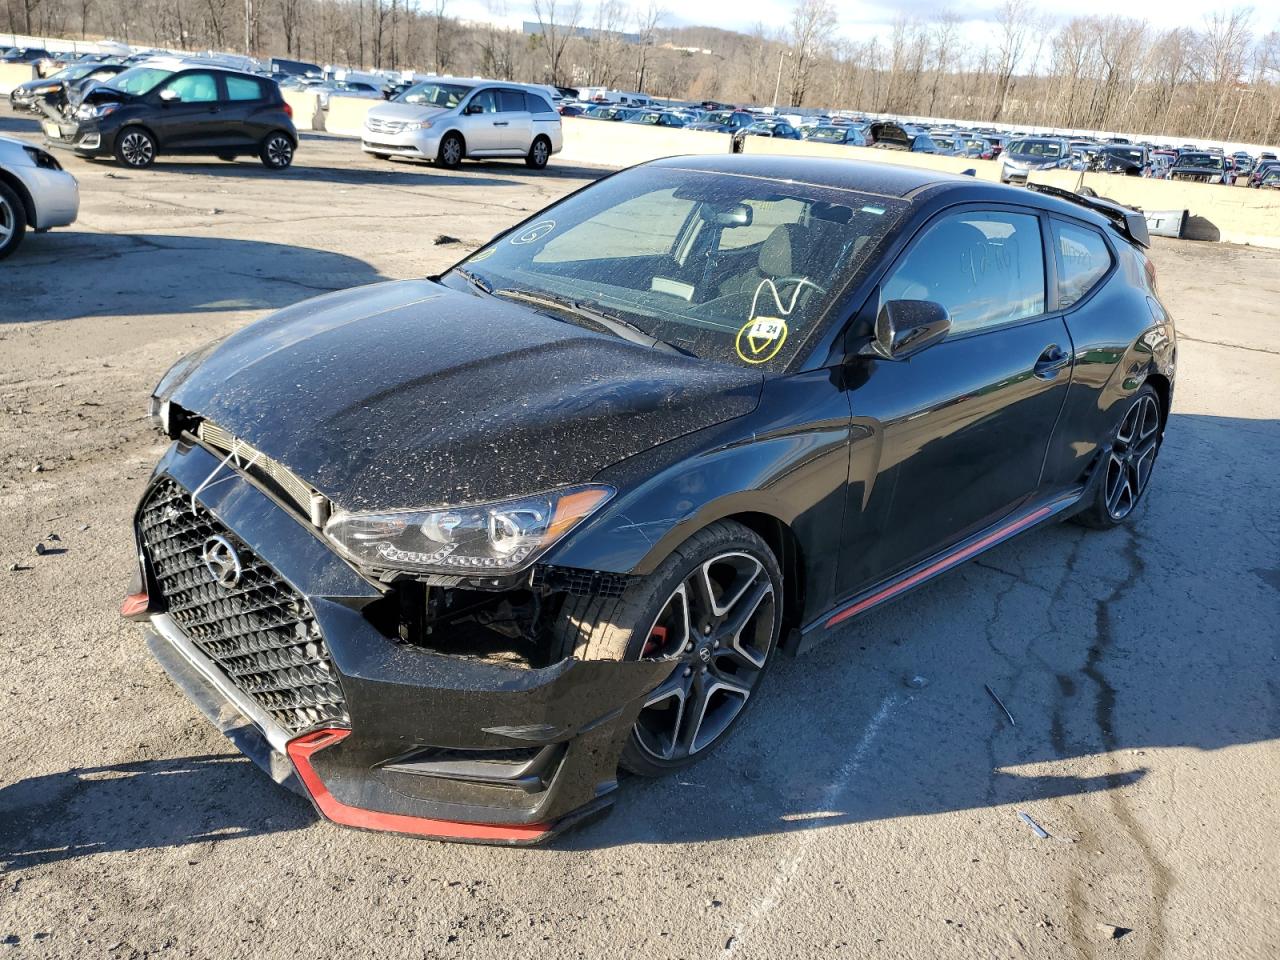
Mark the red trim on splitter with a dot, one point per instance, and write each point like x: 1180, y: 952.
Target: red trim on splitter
x: 135, y: 604
x: 939, y: 565
x: 304, y: 747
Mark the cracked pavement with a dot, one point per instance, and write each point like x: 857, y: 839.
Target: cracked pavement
x: 852, y: 815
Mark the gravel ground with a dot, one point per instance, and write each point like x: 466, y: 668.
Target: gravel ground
x: 852, y: 815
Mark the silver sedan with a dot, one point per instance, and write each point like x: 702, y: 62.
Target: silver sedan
x: 35, y: 192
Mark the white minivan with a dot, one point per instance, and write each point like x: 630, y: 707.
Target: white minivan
x: 449, y: 119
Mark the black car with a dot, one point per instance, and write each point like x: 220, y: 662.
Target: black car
x: 1198, y: 167
x: 59, y: 89
x: 180, y: 108
x: 23, y: 55
x: 453, y: 550
x: 894, y: 136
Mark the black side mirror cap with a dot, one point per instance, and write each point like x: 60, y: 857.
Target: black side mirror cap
x: 905, y: 327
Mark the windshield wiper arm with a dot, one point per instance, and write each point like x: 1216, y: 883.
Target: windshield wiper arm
x: 615, y: 325
x: 477, y: 282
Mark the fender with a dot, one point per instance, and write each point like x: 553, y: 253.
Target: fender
x: 792, y: 468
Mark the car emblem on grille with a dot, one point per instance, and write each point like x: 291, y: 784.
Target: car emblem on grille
x: 222, y: 562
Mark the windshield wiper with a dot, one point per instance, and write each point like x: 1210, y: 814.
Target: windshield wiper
x: 615, y: 325
x: 476, y: 281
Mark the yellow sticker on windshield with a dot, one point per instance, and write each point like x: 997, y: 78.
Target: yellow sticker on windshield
x: 760, y: 339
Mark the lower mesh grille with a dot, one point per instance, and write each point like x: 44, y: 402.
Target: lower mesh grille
x: 259, y: 631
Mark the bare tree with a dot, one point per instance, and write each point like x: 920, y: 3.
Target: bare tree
x: 647, y: 22
x: 557, y: 23
x: 1016, y: 21
x: 813, y: 24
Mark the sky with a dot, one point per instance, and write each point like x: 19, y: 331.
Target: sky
x: 861, y: 18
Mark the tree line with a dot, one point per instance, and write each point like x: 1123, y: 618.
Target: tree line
x: 1217, y: 80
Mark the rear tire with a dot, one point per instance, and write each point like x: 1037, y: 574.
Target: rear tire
x: 451, y: 152
x: 227, y: 157
x: 1128, y: 462
x: 13, y: 221
x: 276, y: 152
x: 135, y: 148
x: 672, y: 613
x: 539, y: 154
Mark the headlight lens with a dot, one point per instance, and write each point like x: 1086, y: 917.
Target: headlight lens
x: 492, y: 538
x: 96, y: 111
x: 419, y: 125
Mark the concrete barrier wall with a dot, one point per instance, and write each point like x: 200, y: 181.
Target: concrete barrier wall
x: 307, y: 114
x: 1216, y: 211
x: 345, y: 115
x: 14, y: 75
x: 613, y: 144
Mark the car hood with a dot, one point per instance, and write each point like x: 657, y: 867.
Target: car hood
x: 103, y: 94
x: 409, y: 394
x: 405, y: 111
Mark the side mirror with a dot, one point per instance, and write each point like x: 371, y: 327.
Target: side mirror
x: 170, y: 95
x: 905, y: 327
x: 474, y: 108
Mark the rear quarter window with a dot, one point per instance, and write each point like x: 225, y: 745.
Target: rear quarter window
x: 1083, y: 260
x: 244, y: 88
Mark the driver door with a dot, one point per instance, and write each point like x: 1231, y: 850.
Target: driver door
x: 188, y: 113
x: 956, y: 435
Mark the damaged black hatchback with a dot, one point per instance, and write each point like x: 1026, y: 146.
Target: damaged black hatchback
x: 447, y: 554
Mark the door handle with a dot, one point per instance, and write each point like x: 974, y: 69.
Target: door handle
x: 1051, y: 360
x: 501, y: 123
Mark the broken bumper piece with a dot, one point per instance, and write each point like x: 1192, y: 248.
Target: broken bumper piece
x: 293, y: 663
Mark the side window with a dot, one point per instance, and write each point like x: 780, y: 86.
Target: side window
x: 486, y: 99
x: 1083, y: 259
x: 538, y: 104
x: 511, y: 101
x: 194, y: 87
x: 243, y: 88
x: 985, y: 268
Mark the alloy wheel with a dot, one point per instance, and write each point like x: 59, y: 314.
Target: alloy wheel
x: 137, y: 149
x: 1133, y: 453
x: 720, y: 624
x: 279, y: 151
x: 7, y: 221
x: 540, y: 154
x: 452, y: 151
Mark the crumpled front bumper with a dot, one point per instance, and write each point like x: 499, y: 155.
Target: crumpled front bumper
x: 437, y: 745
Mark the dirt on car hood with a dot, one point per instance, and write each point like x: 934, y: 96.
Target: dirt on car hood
x: 409, y: 394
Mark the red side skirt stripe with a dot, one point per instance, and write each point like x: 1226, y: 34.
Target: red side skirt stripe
x: 938, y: 566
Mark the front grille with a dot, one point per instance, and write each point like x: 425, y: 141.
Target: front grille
x: 259, y: 632
x: 313, y: 504
x: 384, y: 126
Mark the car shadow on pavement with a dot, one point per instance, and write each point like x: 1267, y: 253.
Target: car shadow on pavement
x: 146, y: 274
x: 141, y: 805
x: 13, y: 123
x: 354, y: 176
x: 1105, y: 646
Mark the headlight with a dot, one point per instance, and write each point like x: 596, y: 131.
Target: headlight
x: 93, y: 112
x: 492, y: 538
x: 418, y: 125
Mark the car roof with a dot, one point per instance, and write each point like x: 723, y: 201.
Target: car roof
x: 885, y: 179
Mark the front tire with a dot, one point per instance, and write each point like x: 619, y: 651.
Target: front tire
x: 715, y: 607
x: 135, y: 148
x: 276, y: 152
x: 1127, y: 463
x: 539, y: 154
x: 451, y: 152
x: 13, y: 221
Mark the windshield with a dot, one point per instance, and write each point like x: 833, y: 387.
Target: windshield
x: 1126, y: 153
x: 1199, y: 160
x: 1045, y: 149
x: 827, y: 133
x: 725, y: 267
x: 75, y: 73
x: 432, y: 94
x: 139, y: 80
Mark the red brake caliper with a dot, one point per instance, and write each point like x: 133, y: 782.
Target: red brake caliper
x: 657, y: 640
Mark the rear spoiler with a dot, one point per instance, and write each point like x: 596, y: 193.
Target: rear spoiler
x: 1132, y: 224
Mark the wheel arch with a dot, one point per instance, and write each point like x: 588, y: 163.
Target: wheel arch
x: 460, y: 135
x: 24, y: 196
x: 785, y: 545
x: 137, y: 125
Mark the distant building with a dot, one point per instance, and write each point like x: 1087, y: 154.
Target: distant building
x: 534, y: 29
